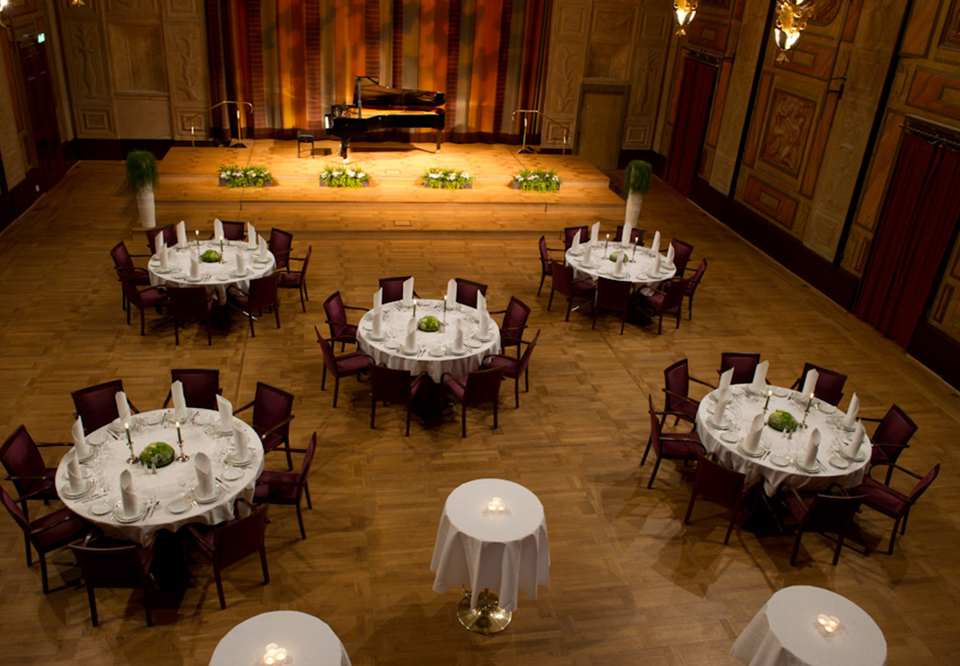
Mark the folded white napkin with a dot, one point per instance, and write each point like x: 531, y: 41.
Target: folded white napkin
x: 656, y: 263
x: 458, y: 338
x: 853, y: 448
x: 751, y: 443
x: 240, y: 452
x: 182, y: 233
x: 725, y: 378
x: 483, y: 330
x: 226, y: 414
x: 588, y: 254
x: 627, y: 231
x: 180, y: 412
x: 131, y: 505
x: 481, y: 303
x: 408, y: 292
x: 251, y: 235
x: 263, y: 249
x: 655, y: 246
x: 671, y: 254
x: 451, y: 292
x: 80, y: 440
x: 852, y: 410
x: 723, y: 398
x: 123, y: 407
x: 595, y: 233
x: 575, y: 244
x: 759, y: 383
x: 410, y: 344
x: 241, y: 263
x: 810, y: 382
x: 618, y: 267
x: 205, y: 478
x: 194, y: 268
x: 217, y: 229
x: 813, y: 447
x: 377, y: 322
x: 378, y: 299
x: 164, y: 259
x: 75, y: 476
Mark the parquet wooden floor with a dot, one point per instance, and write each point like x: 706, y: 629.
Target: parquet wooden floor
x: 629, y: 582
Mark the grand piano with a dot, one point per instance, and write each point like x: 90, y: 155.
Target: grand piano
x: 377, y: 107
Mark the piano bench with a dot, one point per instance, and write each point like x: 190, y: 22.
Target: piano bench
x: 303, y: 138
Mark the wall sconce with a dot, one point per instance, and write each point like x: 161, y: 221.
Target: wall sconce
x: 791, y: 22
x: 3, y: 7
x: 684, y: 10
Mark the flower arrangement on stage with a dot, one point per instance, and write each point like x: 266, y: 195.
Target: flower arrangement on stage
x: 537, y: 180
x: 446, y: 179
x: 344, y: 177
x: 255, y: 175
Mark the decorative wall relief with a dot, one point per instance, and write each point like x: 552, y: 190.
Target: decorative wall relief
x: 647, y: 79
x: 85, y: 42
x: 136, y: 57
x: 188, y: 56
x: 951, y: 28
x: 788, y: 126
x: 565, y: 74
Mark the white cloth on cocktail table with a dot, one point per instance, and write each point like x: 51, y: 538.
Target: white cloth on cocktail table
x: 638, y: 271
x: 395, y: 318
x: 506, y: 552
x: 308, y: 640
x: 218, y: 275
x: 785, y: 632
x: 148, y: 427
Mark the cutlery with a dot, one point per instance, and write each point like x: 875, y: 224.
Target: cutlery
x: 765, y: 454
x: 86, y: 500
x: 152, y: 508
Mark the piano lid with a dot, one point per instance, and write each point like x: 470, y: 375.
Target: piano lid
x: 369, y: 94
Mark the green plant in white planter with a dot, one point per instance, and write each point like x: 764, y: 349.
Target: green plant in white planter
x: 142, y: 177
x: 636, y: 183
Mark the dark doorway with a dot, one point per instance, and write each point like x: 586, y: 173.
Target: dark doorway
x: 42, y: 107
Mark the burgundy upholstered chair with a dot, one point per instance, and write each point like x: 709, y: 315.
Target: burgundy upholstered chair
x: 636, y: 235
x: 477, y: 388
x: 564, y: 283
x: 97, y: 405
x: 151, y: 297
x: 352, y: 363
x: 393, y: 288
x: 279, y: 245
x: 893, y: 503
x: 822, y: 513
x: 612, y: 295
x: 392, y: 386
x: 298, y: 279
x: 233, y: 541
x: 669, y: 300
x: 169, y: 237
x: 891, y: 437
x: 681, y: 255
x: 744, y: 366
x: 336, y: 311
x: 191, y: 304
x: 514, y: 323
x: 692, y: 285
x: 545, y: 269
x: 669, y: 446
x: 119, y: 566
x: 47, y: 533
x: 570, y: 232
x: 718, y: 484
x: 200, y: 388
x: 234, y: 230
x: 513, y: 368
x: 676, y: 387
x: 272, y: 414
x: 467, y: 291
x: 288, y: 488
x: 123, y: 261
x: 829, y: 385
x: 262, y: 295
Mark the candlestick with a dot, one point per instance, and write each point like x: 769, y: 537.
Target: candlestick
x: 636, y: 241
x: 444, y: 310
x: 132, y: 459
x: 767, y: 403
x: 414, y: 308
x: 809, y: 402
x: 183, y: 457
x: 606, y: 242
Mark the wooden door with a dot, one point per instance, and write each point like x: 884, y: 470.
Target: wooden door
x: 600, y: 125
x: 42, y: 106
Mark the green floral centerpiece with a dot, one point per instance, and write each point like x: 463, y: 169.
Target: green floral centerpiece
x: 160, y: 454
x: 616, y: 255
x: 537, y: 180
x: 429, y: 324
x: 446, y: 179
x: 255, y: 175
x: 782, y: 421
x: 210, y: 257
x: 344, y: 177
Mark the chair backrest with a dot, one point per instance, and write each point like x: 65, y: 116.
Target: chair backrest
x: 271, y: 406
x: 923, y: 484
x: 390, y: 385
x: 681, y: 254
x: 97, y: 405
x: 20, y: 457
x: 236, y: 539
x: 744, y: 365
x: 636, y: 235
x: 16, y: 513
x: 527, y: 353
x: 119, y: 566
x: 121, y: 257
x: 676, y: 290
x: 830, y: 513
x: 570, y: 232
x: 306, y: 261
x: 169, y: 237
x: 514, y: 321
x: 655, y: 426
x: 544, y: 256
x: 393, y: 288
x: 336, y: 314
x: 613, y: 294
x: 895, y: 428
x: 717, y: 483
x: 233, y: 230
x: 467, y: 291
x: 280, y: 244
x: 483, y: 386
x: 263, y: 291
x: 189, y: 302
x: 129, y: 288
x: 329, y: 358
x: 307, y: 462
x: 694, y: 281
x: 829, y: 385
x: 200, y: 387
x: 562, y: 278
x: 676, y: 379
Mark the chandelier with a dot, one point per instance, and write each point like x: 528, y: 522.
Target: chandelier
x: 685, y: 11
x: 791, y: 22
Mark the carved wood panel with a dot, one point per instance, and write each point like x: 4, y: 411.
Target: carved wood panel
x: 787, y: 128
x: 134, y: 51
x: 87, y: 61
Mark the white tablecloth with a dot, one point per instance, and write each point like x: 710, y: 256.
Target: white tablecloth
x: 825, y: 417
x: 111, y: 460
x: 637, y: 271
x: 220, y: 275
x: 395, y: 318
x: 505, y: 552
x: 308, y: 641
x: 785, y: 632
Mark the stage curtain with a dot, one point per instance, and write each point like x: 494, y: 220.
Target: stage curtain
x: 690, y: 124
x: 918, y: 219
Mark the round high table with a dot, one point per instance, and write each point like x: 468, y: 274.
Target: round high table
x: 776, y: 462
x: 158, y: 492
x: 308, y: 640
x: 785, y: 632
x: 497, y: 554
x: 638, y: 271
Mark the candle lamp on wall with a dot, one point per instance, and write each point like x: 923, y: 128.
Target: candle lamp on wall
x: 791, y: 22
x: 684, y: 11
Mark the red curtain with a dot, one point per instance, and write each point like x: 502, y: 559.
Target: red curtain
x: 693, y: 110
x: 918, y: 218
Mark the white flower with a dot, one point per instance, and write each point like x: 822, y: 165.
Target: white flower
x: 351, y: 173
x: 224, y: 175
x: 452, y: 176
x: 556, y: 178
x: 518, y: 178
x: 337, y: 174
x: 464, y: 175
x: 434, y: 175
x: 361, y: 175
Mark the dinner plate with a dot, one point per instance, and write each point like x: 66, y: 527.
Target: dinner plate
x: 217, y: 490
x: 859, y: 458
x: 392, y: 345
x: 755, y: 454
x: 576, y: 253
x: 725, y: 425
x: 238, y: 274
x: 484, y: 339
x: 454, y: 352
x: 366, y: 327
x: 826, y: 407
x: 436, y: 353
x: 409, y: 353
x: 239, y: 463
x: 178, y: 506
x: 189, y: 278
x: 779, y: 460
x: 163, y: 271
x: 233, y: 473
x: 472, y: 344
x: 588, y: 265
x: 375, y: 338
x: 87, y: 458
x: 121, y: 517
x: 838, y: 462
x: 729, y: 438
x: 812, y: 470
x: 152, y: 418
x: 102, y: 507
x: 261, y: 262
x: 780, y: 392
x: 87, y: 487
x: 205, y: 418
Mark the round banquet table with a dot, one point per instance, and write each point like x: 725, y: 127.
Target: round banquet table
x: 434, y: 356
x: 308, y: 640
x: 503, y: 552
x: 637, y: 271
x: 785, y: 632
x: 777, y: 464
x: 219, y: 275
x: 200, y: 433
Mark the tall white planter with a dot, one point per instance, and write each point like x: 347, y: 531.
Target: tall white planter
x: 147, y: 208
x: 634, y: 199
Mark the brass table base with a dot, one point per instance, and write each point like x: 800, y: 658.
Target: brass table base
x: 487, y: 618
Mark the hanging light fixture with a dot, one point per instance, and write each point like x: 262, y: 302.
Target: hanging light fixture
x: 3, y: 6
x: 684, y: 10
x: 791, y: 22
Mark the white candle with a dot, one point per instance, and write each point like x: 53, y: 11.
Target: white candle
x: 496, y: 505
x: 828, y: 623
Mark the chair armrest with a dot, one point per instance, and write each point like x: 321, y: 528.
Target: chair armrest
x: 354, y: 307
x: 166, y: 401
x: 296, y: 258
x: 245, y: 407
x: 894, y: 466
x: 50, y: 527
x: 700, y: 381
x: 34, y: 495
x: 29, y: 478
x: 684, y: 398
x: 279, y: 425
x: 341, y: 338
x: 504, y: 356
x: 417, y: 380
x: 133, y: 408
x: 456, y: 381
x: 870, y: 419
x: 891, y: 445
x: 47, y: 444
x: 557, y: 249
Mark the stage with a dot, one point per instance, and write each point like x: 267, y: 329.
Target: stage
x: 395, y: 201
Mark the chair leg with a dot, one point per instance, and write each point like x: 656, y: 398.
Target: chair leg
x: 549, y: 303
x: 306, y: 492
x: 653, y: 474
x: 306, y: 293
x: 373, y: 414
x: 660, y: 324
x: 143, y: 322
x: 678, y: 314
x: 146, y: 607
x: 569, y: 308
x: 542, y: 278
x: 93, y: 606
x: 893, y: 536
x: 693, y: 498
x: 303, y: 533
x: 223, y: 601
x: 176, y: 331
x: 496, y: 413
x: 276, y: 311
x: 796, y: 548
x: 253, y: 333
x: 623, y: 321
x: 289, y: 457
x: 263, y: 564
x: 323, y: 378
x: 646, y: 451
x: 302, y: 302
x: 463, y: 420
x: 43, y: 573
x: 836, y: 551
x: 409, y: 411
x: 690, y: 311
x: 209, y: 332
x: 336, y: 390
x: 733, y: 519
x: 593, y: 318
x: 26, y: 542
